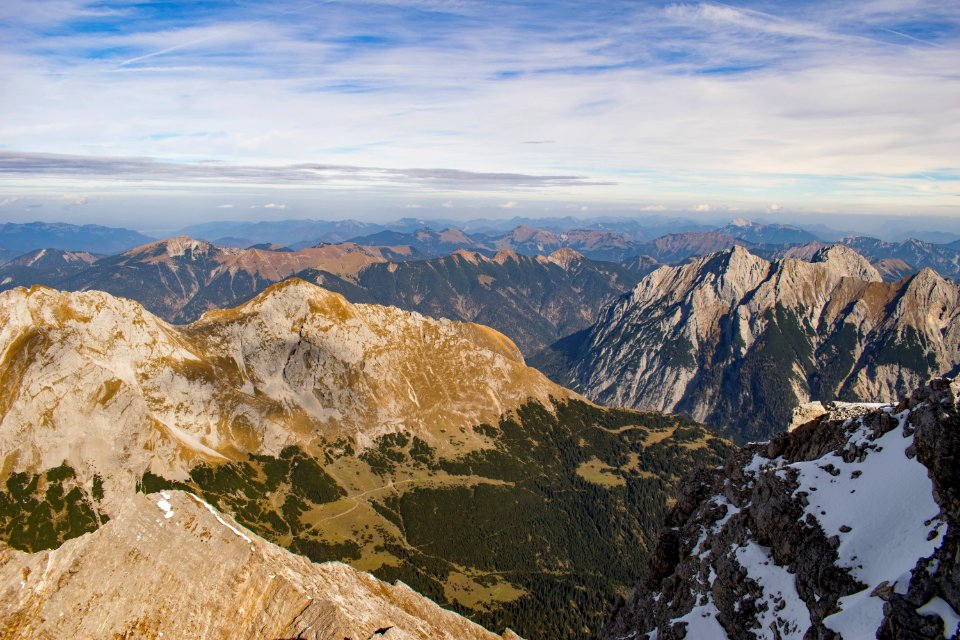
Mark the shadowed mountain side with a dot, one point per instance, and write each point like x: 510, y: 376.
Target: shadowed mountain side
x: 737, y: 341
x: 533, y: 300
x: 43, y: 266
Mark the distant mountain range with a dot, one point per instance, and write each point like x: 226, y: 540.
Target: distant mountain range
x: 17, y: 239
x: 426, y: 242
x: 758, y: 233
x: 534, y: 300
x: 180, y: 278
x: 736, y: 341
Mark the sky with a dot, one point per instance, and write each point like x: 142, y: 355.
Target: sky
x: 149, y: 114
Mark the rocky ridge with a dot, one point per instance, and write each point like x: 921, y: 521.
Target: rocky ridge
x: 170, y: 566
x: 43, y: 266
x: 846, y: 527
x: 533, y: 299
x: 180, y: 278
x: 736, y: 341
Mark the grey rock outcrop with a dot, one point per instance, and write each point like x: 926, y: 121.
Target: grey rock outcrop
x: 737, y: 342
x: 846, y: 527
x: 171, y: 567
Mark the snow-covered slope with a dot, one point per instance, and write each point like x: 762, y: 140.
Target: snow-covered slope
x: 846, y: 527
x: 169, y: 566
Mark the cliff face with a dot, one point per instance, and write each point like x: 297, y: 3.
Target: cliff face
x: 846, y: 527
x: 170, y: 566
x: 737, y: 341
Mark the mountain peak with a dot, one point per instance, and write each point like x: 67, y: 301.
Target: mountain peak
x: 473, y: 257
x: 503, y: 255
x: 453, y: 235
x: 175, y: 247
x: 526, y: 233
x: 731, y: 261
x: 565, y: 257
x: 848, y: 261
x: 290, y: 298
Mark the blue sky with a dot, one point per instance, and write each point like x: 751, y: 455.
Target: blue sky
x: 463, y: 108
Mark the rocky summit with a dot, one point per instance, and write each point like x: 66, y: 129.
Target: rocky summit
x: 846, y: 527
x: 170, y: 566
x: 99, y: 382
x: 736, y: 341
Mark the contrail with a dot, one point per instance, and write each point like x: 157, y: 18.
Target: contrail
x: 914, y: 38
x: 185, y: 45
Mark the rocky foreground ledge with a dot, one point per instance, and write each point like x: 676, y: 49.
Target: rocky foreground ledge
x: 845, y: 527
x: 170, y: 566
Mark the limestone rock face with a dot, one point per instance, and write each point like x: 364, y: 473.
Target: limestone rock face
x: 101, y: 384
x: 736, y: 341
x: 846, y: 527
x: 169, y: 566
x: 806, y: 412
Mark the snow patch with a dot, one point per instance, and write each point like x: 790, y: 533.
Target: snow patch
x: 702, y: 623
x: 883, y: 512
x: 164, y: 505
x: 786, y: 615
x: 860, y: 616
x: 221, y: 520
x: 939, y: 607
x: 715, y: 528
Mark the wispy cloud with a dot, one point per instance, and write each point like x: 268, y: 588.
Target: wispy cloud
x: 75, y: 199
x: 146, y: 169
x: 639, y: 102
